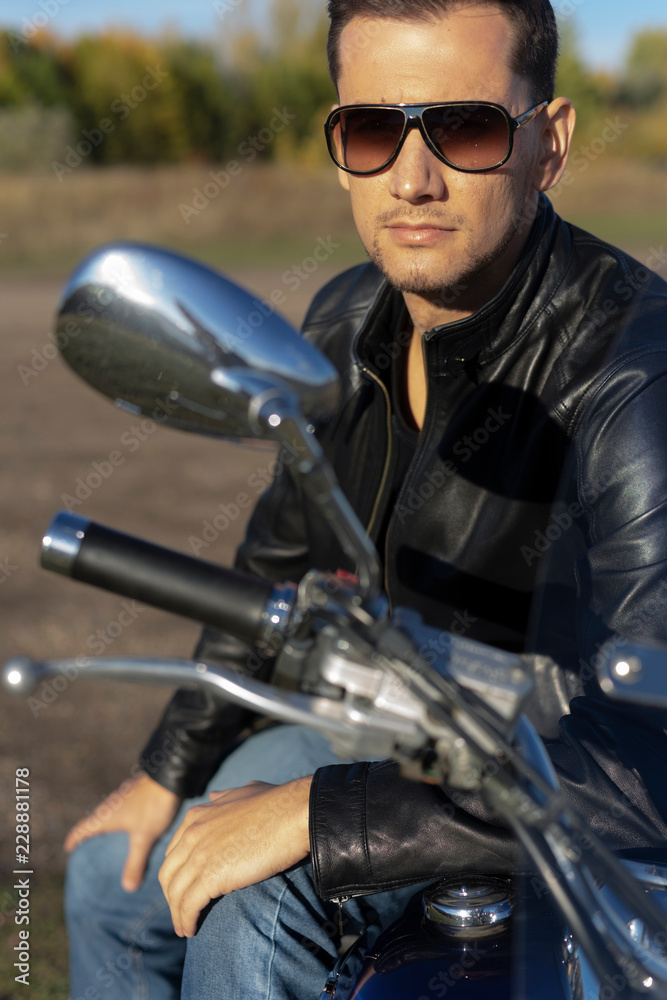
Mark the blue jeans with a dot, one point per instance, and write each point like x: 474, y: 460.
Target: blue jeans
x: 276, y: 940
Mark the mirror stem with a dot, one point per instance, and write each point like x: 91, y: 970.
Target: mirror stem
x: 282, y: 420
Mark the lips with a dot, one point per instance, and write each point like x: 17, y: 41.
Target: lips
x: 418, y: 233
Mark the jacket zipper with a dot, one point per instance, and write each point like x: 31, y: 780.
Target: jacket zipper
x: 339, y: 900
x: 387, y: 463
x: 385, y: 471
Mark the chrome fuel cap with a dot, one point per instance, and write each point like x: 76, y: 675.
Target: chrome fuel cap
x: 481, y: 904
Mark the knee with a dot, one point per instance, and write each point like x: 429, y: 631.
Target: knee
x: 94, y: 870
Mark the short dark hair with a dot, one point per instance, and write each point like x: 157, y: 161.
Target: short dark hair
x: 534, y: 23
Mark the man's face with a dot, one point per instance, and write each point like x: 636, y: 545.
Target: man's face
x: 429, y: 227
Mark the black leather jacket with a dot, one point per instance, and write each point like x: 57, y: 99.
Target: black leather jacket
x: 524, y: 406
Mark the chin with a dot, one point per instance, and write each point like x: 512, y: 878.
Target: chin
x: 414, y: 275
x: 418, y: 281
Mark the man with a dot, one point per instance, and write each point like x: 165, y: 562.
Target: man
x: 474, y: 319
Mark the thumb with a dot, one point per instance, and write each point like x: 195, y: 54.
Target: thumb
x: 135, y: 863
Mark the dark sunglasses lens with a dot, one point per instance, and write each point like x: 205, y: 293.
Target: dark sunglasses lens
x: 472, y: 136
x: 363, y: 139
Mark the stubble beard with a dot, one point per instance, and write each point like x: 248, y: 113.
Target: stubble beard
x: 416, y: 276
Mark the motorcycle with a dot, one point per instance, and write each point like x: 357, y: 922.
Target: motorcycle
x: 159, y: 334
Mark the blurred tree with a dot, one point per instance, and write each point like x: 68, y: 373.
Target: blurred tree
x: 586, y: 90
x: 214, y: 99
x: 126, y: 98
x: 644, y: 81
x: 35, y: 68
x: 12, y: 92
x: 286, y: 71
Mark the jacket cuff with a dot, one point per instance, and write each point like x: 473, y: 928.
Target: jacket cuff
x: 372, y: 830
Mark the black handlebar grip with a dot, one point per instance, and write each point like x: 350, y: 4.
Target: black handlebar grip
x: 227, y: 599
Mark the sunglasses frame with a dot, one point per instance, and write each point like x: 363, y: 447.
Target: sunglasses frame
x: 413, y: 118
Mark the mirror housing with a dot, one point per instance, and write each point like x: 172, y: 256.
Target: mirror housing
x: 164, y: 336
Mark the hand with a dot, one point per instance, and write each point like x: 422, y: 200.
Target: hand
x: 240, y: 837
x: 142, y: 808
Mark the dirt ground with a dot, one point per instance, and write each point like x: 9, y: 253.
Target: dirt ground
x: 81, y: 741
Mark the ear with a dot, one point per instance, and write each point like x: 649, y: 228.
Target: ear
x: 556, y: 138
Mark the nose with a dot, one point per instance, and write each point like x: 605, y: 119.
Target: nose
x: 416, y: 174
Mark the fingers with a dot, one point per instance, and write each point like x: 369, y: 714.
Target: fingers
x: 185, y: 875
x: 84, y: 830
x: 187, y: 895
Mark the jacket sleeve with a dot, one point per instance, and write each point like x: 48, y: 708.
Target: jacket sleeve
x: 197, y: 729
x: 372, y: 830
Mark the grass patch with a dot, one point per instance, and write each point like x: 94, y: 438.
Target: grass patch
x: 48, y: 942
x: 271, y: 215
x: 626, y: 230
x: 221, y: 254
x: 288, y: 251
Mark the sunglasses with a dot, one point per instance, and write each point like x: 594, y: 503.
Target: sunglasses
x: 472, y: 136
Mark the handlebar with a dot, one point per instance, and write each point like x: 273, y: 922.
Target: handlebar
x: 246, y: 606
x: 375, y: 694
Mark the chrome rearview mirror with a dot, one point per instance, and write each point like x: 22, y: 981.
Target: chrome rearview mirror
x: 167, y: 337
